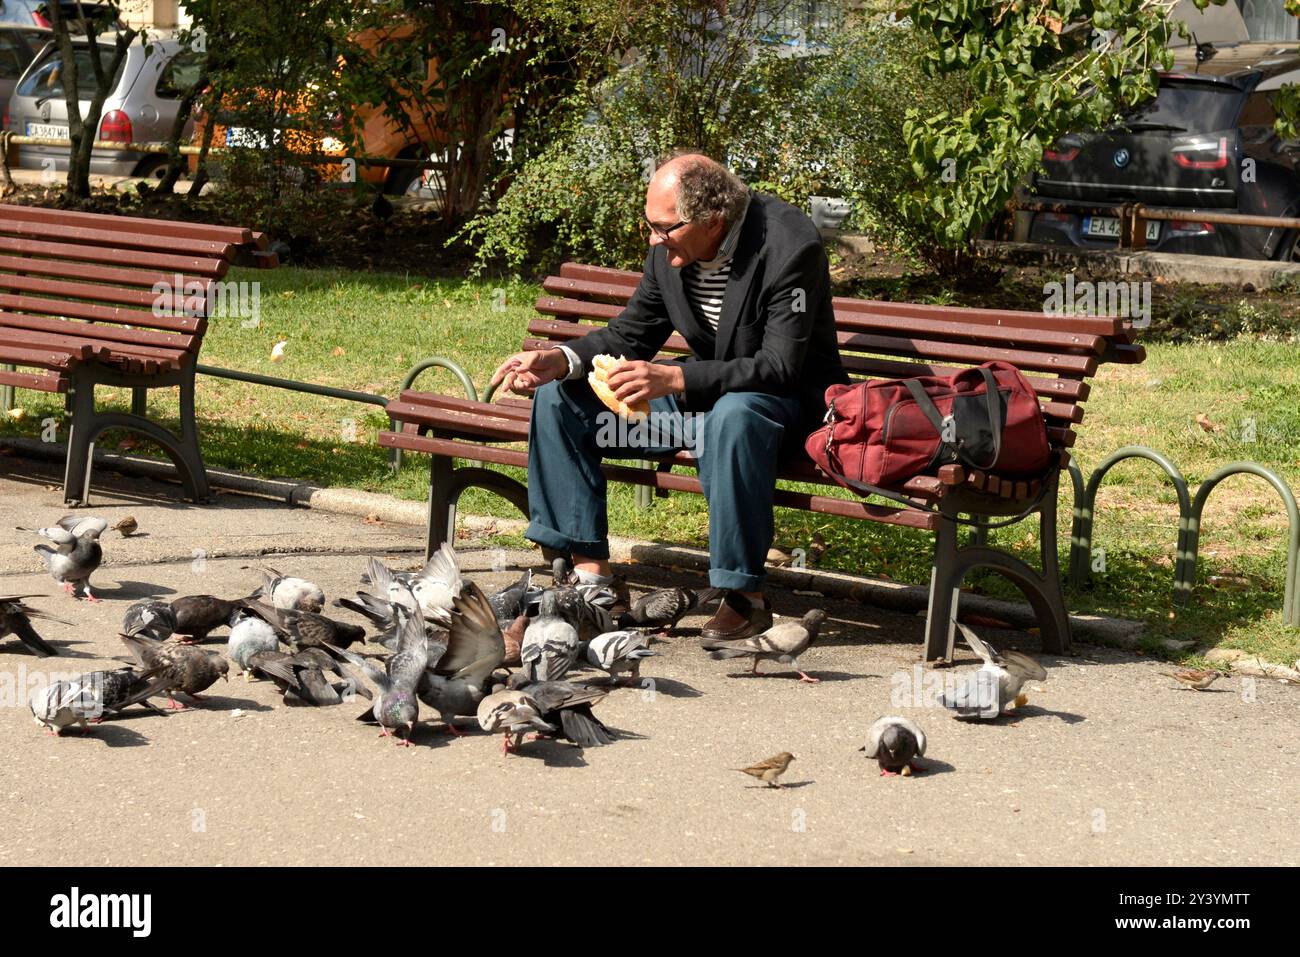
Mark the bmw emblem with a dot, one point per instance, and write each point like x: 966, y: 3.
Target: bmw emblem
x: 1121, y: 158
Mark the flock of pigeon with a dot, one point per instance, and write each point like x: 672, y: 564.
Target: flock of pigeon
x: 503, y: 659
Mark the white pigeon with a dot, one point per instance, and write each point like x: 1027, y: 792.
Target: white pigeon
x: 432, y: 589
x: 291, y: 594
x: 994, y: 689
x: 618, y: 651
x: 894, y: 741
x: 62, y: 704
x: 249, y: 635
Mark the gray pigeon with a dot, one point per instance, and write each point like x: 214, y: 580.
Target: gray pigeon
x: 783, y: 642
x: 249, y: 635
x: 567, y: 707
x: 512, y: 712
x: 662, y: 609
x: 550, y: 642
x: 88, y: 697
x: 618, y: 651
x: 380, y: 612
x: 151, y: 618
x: 291, y: 594
x: 513, y: 600
x: 894, y: 742
x: 76, y: 552
x: 456, y: 674
x: 303, y: 677
x: 397, y: 705
x: 994, y: 689
x: 186, y: 669
x: 15, y: 619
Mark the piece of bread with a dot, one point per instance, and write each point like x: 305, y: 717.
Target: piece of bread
x: 602, y: 366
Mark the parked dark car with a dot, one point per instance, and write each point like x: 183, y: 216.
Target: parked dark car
x: 1205, y: 143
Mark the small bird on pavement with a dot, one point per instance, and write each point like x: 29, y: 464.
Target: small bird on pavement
x: 127, y: 526
x: 662, y: 609
x: 1195, y: 679
x: 550, y: 644
x: 770, y: 770
x: 15, y: 619
x: 783, y: 642
x: 76, y: 552
x: 894, y: 742
x: 514, y: 713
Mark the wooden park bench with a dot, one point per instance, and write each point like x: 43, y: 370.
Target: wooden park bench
x: 78, y: 309
x: 877, y: 340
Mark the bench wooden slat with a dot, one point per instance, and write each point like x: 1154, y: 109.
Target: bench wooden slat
x: 105, y: 274
x: 176, y: 300
x: 14, y: 350
x: 39, y: 382
x: 111, y: 335
x: 118, y: 239
x: 98, y: 347
x: 188, y: 265
x: 194, y: 325
x: 665, y: 480
x: 158, y: 227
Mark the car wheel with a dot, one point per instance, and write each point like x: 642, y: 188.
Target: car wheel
x: 1288, y: 250
x: 152, y: 169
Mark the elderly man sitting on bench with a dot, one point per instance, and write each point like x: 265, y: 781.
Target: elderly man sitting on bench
x: 743, y: 277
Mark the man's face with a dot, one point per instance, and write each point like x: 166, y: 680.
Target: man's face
x: 686, y: 243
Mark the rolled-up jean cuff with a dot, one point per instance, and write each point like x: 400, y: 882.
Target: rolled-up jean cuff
x: 735, y: 581
x: 550, y: 538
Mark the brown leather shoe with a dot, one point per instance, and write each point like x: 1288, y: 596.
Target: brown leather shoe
x: 737, y: 617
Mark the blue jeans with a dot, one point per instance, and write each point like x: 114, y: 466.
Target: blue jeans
x: 736, y: 444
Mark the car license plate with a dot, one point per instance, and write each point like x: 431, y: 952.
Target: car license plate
x: 248, y: 138
x: 1107, y: 227
x: 47, y: 131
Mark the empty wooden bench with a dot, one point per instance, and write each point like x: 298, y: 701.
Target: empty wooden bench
x: 92, y: 300
x: 877, y: 340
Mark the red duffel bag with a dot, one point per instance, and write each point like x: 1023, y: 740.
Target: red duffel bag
x: 882, y: 432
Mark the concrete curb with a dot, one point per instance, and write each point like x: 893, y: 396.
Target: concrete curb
x: 892, y: 596
x: 1249, y: 274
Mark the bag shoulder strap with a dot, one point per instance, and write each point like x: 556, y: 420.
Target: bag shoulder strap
x: 931, y: 412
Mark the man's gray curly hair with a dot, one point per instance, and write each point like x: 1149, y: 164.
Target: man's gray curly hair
x: 707, y: 189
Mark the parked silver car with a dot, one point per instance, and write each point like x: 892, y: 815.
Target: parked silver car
x: 19, y: 45
x: 140, y: 108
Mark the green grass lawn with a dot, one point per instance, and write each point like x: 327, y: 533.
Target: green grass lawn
x: 363, y: 331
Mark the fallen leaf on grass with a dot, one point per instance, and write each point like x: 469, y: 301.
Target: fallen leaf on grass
x: 339, y: 351
x: 277, y: 350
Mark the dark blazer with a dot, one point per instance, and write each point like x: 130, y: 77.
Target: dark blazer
x: 776, y: 333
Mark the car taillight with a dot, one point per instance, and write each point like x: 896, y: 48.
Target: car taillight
x: 1061, y: 156
x: 1192, y: 155
x: 1188, y: 226
x: 115, y: 127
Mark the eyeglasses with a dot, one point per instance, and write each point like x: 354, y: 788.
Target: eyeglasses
x: 660, y: 231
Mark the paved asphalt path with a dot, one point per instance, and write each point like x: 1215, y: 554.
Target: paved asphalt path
x: 1110, y: 763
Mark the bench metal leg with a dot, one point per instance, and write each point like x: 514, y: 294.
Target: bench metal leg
x: 442, y: 506
x: 1043, y: 589
x: 445, y: 487
x: 86, y: 425
x: 941, y: 615
x: 139, y: 401
x: 81, y: 444
x: 194, y: 472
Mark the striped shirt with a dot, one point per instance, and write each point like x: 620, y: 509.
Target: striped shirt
x: 705, y: 288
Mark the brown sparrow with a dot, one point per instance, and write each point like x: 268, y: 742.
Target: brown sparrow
x: 771, y: 769
x: 1198, y: 680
